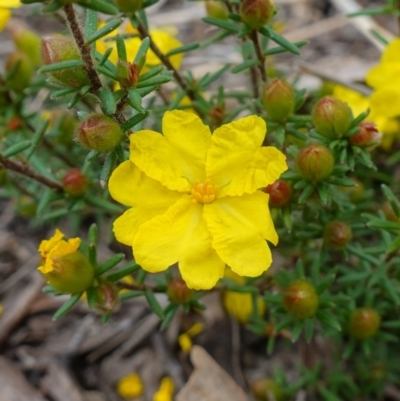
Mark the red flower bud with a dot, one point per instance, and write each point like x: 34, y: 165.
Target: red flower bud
x: 300, y: 299
x: 278, y: 99
x: 279, y: 193
x: 100, y: 133
x: 368, y: 137
x: 106, y: 297
x: 266, y: 390
x: 19, y: 71
x: 337, y: 234
x: 178, y: 292
x: 15, y: 123
x: 127, y: 73
x: 58, y: 48
x: 129, y: 6
x: 364, y: 323
x: 75, y: 183
x: 315, y: 163
x: 256, y: 13
x: 216, y: 9
x: 331, y: 117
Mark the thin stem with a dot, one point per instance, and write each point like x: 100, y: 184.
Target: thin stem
x: 28, y: 172
x: 254, y: 82
x: 260, y: 55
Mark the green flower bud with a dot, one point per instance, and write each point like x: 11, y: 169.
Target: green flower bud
x: 178, y: 292
x: 71, y: 274
x: 368, y: 137
x: 127, y: 73
x: 129, y: 6
x: 75, y: 183
x: 300, y: 299
x: 56, y: 49
x: 216, y: 9
x: 99, y: 132
x: 256, y: 13
x: 266, y: 390
x: 106, y: 297
x: 364, y: 323
x: 331, y: 117
x: 19, y: 71
x: 337, y: 234
x: 315, y: 163
x: 278, y: 99
x: 26, y: 41
x: 279, y: 193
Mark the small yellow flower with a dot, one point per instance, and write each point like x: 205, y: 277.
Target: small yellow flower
x: 5, y: 12
x: 166, y: 390
x: 196, y: 198
x: 240, y: 305
x: 130, y: 386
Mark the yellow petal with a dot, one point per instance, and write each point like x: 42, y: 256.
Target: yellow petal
x: 386, y: 101
x: 179, y: 235
x: 10, y: 3
x: 5, y: 15
x: 48, y: 244
x: 383, y: 75
x: 237, y: 163
x: 177, y: 158
x: 391, y: 53
x: 239, y: 227
x: 357, y: 102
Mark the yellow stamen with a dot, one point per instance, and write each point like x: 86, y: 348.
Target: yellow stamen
x: 204, y: 192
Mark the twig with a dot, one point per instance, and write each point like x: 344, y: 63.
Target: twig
x: 261, y: 58
x: 25, y: 170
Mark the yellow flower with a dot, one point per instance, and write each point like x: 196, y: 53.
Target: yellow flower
x: 5, y: 12
x: 166, y: 390
x: 194, y: 198
x: 358, y: 103
x: 238, y: 304
x: 130, y: 386
x: 164, y: 40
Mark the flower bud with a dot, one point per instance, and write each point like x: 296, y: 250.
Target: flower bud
x: 256, y: 13
x: 19, y: 70
x: 99, y: 132
x: 337, y: 234
x: 279, y: 193
x: 331, y: 117
x: 26, y: 41
x: 266, y: 390
x: 75, y: 182
x: 178, y: 292
x: 315, y: 163
x: 216, y: 9
x: 364, y: 323
x: 106, y: 297
x: 278, y: 98
x: 58, y: 48
x: 129, y: 6
x: 368, y: 137
x: 15, y: 123
x: 127, y: 73
x: 300, y: 299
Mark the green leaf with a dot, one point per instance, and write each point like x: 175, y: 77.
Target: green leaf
x: 384, y: 225
x: 62, y: 65
x: 394, y: 246
x: 329, y: 320
x: 101, y: 6
x: 153, y: 303
x: 105, y: 30
x: 91, y: 297
x: 107, y: 99
x: 67, y: 306
x: 104, y: 204
x: 17, y: 148
x: 157, y: 80
x: 307, y: 192
x: 37, y: 136
x: 90, y: 23
x: 108, y: 167
x: 130, y: 294
x: 309, y: 329
x: 280, y: 40
x: 135, y: 120
x: 371, y: 11
x: 142, y: 51
x: 135, y: 100
x: 63, y: 92
x: 105, y: 71
x: 130, y: 268
x: 169, y: 315
x: 121, y: 49
x: 244, y: 66
x: 113, y: 261
x: 280, y: 49
x: 363, y: 255
x: 210, y: 78
x: 223, y: 24
x: 183, y: 49
x: 150, y: 74
x: 83, y: 91
x: 296, y: 332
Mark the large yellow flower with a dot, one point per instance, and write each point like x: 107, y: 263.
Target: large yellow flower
x: 5, y: 12
x: 194, y: 198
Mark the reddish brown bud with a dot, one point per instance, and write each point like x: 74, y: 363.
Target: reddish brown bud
x: 256, y: 13
x: 178, y: 292
x: 279, y: 193
x: 217, y: 114
x: 75, y: 183
x: 364, y: 323
x: 15, y: 123
x: 331, y: 117
x: 368, y: 137
x: 216, y: 9
x: 127, y: 73
x: 300, y: 299
x: 278, y: 99
x: 337, y: 234
x: 106, y: 297
x: 266, y: 390
x: 100, y: 133
x: 58, y: 48
x: 19, y: 71
x: 315, y: 163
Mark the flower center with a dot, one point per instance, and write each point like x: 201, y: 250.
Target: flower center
x: 204, y: 192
